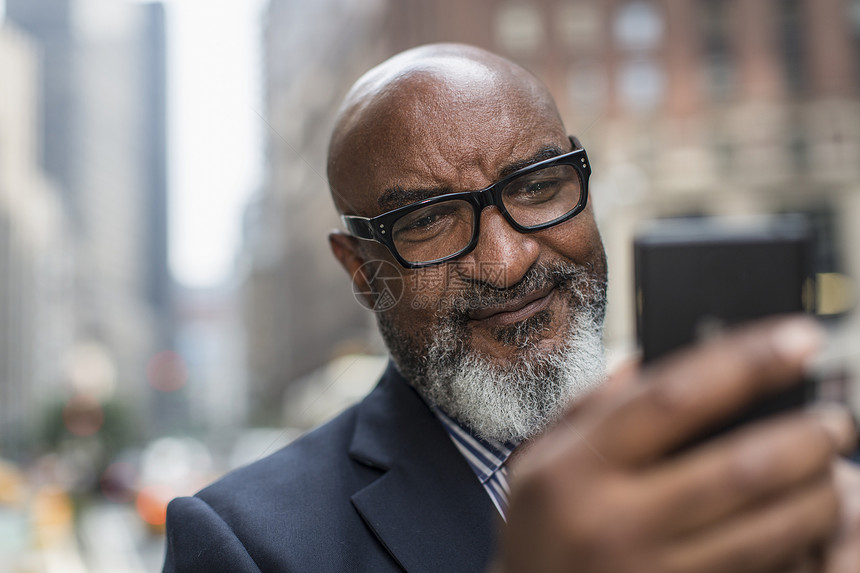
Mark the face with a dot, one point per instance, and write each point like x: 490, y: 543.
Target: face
x: 502, y: 337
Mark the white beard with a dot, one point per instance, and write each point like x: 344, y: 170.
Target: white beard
x: 518, y: 401
x: 515, y: 401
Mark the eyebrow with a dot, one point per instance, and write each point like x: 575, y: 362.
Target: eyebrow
x: 545, y: 153
x: 397, y: 196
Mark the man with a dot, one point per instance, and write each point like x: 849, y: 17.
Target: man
x: 461, y: 188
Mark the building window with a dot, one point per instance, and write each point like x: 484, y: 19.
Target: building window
x: 638, y: 26
x: 791, y: 36
x: 519, y: 29
x: 854, y: 18
x: 587, y: 85
x: 718, y: 61
x: 641, y: 84
x: 638, y: 29
x: 577, y: 25
x: 723, y: 149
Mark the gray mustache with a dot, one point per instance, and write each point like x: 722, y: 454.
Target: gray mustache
x: 480, y: 294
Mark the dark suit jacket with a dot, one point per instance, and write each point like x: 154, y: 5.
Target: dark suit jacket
x: 379, y: 488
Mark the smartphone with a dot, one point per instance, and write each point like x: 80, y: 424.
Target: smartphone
x: 695, y: 277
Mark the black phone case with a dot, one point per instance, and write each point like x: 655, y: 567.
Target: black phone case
x: 695, y: 277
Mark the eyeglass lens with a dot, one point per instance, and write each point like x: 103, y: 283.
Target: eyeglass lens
x: 442, y: 229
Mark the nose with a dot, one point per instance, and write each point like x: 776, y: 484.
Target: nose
x: 502, y: 256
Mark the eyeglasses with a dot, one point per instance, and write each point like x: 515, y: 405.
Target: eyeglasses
x: 444, y: 227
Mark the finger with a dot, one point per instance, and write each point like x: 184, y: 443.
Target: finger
x: 624, y: 378
x: 841, y: 415
x: 695, y: 389
x: 843, y: 555
x: 844, y: 559
x: 732, y: 473
x: 584, y: 407
x: 804, y: 564
x: 766, y: 539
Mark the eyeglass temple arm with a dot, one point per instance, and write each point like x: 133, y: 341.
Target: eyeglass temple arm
x: 359, y: 227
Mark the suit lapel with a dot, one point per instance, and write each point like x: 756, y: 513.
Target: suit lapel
x: 428, y: 509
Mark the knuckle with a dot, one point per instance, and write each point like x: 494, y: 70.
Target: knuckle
x: 830, y: 505
x: 787, y: 450
x: 821, y: 443
x: 669, y: 396
x: 609, y: 524
x: 851, y: 517
x: 821, y: 511
x: 746, y: 473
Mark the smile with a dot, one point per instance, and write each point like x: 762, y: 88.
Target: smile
x: 515, y: 311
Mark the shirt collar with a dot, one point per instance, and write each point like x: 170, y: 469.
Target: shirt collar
x: 484, y: 456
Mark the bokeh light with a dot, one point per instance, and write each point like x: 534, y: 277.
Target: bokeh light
x: 83, y: 415
x: 117, y: 482
x: 152, y: 504
x: 166, y: 371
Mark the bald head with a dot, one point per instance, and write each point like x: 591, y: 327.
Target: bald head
x: 429, y: 100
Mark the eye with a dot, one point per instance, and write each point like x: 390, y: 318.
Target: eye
x: 542, y: 187
x: 423, y: 221
x: 427, y: 223
x: 534, y: 190
x: 427, y: 220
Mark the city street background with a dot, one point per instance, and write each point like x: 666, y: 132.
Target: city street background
x: 169, y: 308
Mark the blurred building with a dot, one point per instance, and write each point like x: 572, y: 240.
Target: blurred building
x: 159, y: 282
x: 35, y: 319
x: 210, y: 340
x: 103, y: 125
x: 686, y: 107
x: 299, y: 310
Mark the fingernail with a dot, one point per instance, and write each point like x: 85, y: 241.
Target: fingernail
x: 838, y: 423
x: 797, y: 338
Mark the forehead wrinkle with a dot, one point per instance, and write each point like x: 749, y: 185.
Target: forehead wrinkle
x: 399, y: 196
x: 443, y: 101
x: 434, y: 175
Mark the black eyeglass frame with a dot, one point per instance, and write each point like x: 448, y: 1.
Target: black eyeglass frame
x: 378, y: 228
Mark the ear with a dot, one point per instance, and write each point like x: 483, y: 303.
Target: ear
x: 345, y: 249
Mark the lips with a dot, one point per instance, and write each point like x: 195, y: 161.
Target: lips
x: 515, y: 310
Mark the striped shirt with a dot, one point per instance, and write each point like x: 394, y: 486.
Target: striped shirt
x: 486, y: 458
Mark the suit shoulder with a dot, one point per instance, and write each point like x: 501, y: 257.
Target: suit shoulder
x: 302, y: 493
x: 319, y: 453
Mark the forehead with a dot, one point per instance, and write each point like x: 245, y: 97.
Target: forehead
x: 446, y: 132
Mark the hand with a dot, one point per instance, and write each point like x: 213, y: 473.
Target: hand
x: 843, y: 552
x: 600, y: 492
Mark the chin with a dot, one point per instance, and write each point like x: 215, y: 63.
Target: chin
x: 511, y: 354
x: 542, y: 333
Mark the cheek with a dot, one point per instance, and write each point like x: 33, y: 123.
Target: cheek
x: 411, y: 319
x: 577, y: 240
x: 373, y: 251
x: 423, y: 294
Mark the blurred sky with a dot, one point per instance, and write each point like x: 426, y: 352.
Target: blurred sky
x: 215, y: 134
